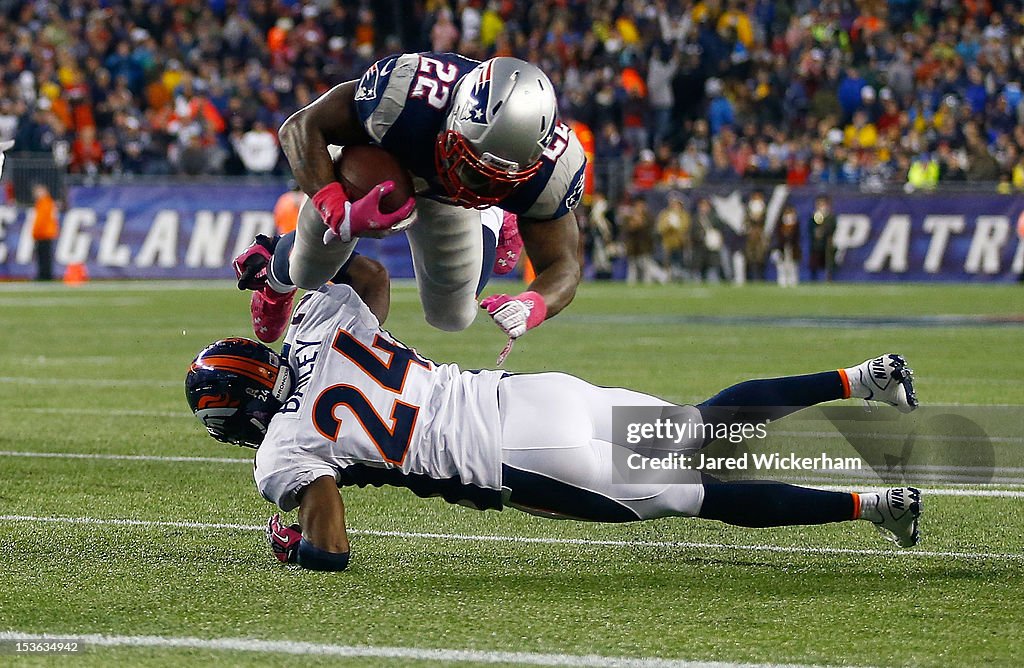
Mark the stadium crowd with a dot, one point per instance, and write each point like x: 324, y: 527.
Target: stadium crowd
x: 861, y: 92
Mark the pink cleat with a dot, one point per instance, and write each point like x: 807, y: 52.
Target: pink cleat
x: 510, y: 245
x: 271, y: 313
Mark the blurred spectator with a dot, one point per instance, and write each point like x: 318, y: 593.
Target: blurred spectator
x: 647, y: 172
x: 86, y: 152
x: 600, y: 237
x: 673, y: 227
x: 707, y: 241
x: 257, y: 149
x: 861, y: 133
x: 720, y: 109
x: 44, y: 231
x: 823, y: 229
x: 660, y: 71
x: 195, y: 158
x: 924, y: 173
x: 444, y: 36
x: 755, y: 249
x: 694, y: 164
x: 786, y: 252
x: 983, y: 167
x: 638, y: 239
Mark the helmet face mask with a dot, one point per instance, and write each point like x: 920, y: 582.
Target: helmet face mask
x: 235, y: 387
x: 472, y: 180
x: 502, y: 118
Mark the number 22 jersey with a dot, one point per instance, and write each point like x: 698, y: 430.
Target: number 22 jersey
x: 368, y: 410
x: 402, y: 102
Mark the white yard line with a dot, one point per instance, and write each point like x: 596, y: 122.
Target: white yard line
x: 885, y: 436
x: 778, y: 549
x: 129, y: 458
x: 441, y: 655
x: 938, y: 491
x: 91, y: 382
x: 978, y: 490
x: 24, y: 288
x: 113, y: 412
x: 76, y: 301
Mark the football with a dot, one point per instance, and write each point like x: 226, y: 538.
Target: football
x: 361, y: 167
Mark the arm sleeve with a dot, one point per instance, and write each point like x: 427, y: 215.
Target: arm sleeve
x: 383, y: 91
x: 564, y: 188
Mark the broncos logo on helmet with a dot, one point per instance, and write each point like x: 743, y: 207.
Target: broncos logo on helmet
x: 235, y: 386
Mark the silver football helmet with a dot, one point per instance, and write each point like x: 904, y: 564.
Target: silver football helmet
x: 502, y: 118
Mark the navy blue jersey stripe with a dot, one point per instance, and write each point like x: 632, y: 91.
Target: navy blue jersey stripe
x: 452, y: 490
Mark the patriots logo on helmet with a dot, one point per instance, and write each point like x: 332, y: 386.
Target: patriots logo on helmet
x: 484, y: 78
x: 472, y: 111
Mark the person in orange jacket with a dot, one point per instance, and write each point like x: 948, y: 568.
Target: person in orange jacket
x: 286, y: 210
x: 44, y: 231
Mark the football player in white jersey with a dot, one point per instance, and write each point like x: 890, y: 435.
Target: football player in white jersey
x: 345, y: 403
x: 484, y: 145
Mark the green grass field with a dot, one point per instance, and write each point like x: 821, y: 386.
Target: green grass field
x: 98, y: 370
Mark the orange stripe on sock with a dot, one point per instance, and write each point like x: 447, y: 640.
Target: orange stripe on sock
x: 856, y: 502
x: 846, y: 383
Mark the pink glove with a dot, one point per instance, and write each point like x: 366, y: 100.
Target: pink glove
x: 346, y: 219
x: 251, y: 264
x: 516, y: 315
x: 284, y: 540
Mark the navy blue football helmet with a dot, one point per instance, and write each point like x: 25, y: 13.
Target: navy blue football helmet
x: 235, y: 386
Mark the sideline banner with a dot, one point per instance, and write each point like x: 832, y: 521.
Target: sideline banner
x: 961, y: 237
x: 173, y: 231
x: 193, y: 231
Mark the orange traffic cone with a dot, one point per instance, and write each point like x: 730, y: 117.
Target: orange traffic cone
x: 75, y: 274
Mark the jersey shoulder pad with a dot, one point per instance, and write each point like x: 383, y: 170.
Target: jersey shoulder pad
x: 382, y: 92
x: 564, y: 187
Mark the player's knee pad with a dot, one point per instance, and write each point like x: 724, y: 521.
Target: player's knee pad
x: 309, y: 271
x: 450, y: 316
x: 307, y: 276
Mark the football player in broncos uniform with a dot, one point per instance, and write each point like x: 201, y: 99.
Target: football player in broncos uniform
x: 482, y: 141
x: 345, y: 403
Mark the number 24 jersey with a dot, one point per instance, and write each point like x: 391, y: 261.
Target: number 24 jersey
x: 368, y: 410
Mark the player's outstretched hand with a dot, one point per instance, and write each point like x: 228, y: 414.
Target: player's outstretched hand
x: 515, y: 315
x: 284, y: 540
x: 251, y: 264
x: 346, y: 219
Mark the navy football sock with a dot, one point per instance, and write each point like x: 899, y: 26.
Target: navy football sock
x: 277, y: 272
x: 756, y: 401
x: 490, y: 242
x: 773, y: 504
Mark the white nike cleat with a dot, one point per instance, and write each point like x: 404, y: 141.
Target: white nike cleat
x: 900, y: 509
x: 886, y: 379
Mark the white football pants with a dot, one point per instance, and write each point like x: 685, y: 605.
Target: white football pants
x: 557, y: 452
x: 447, y: 255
